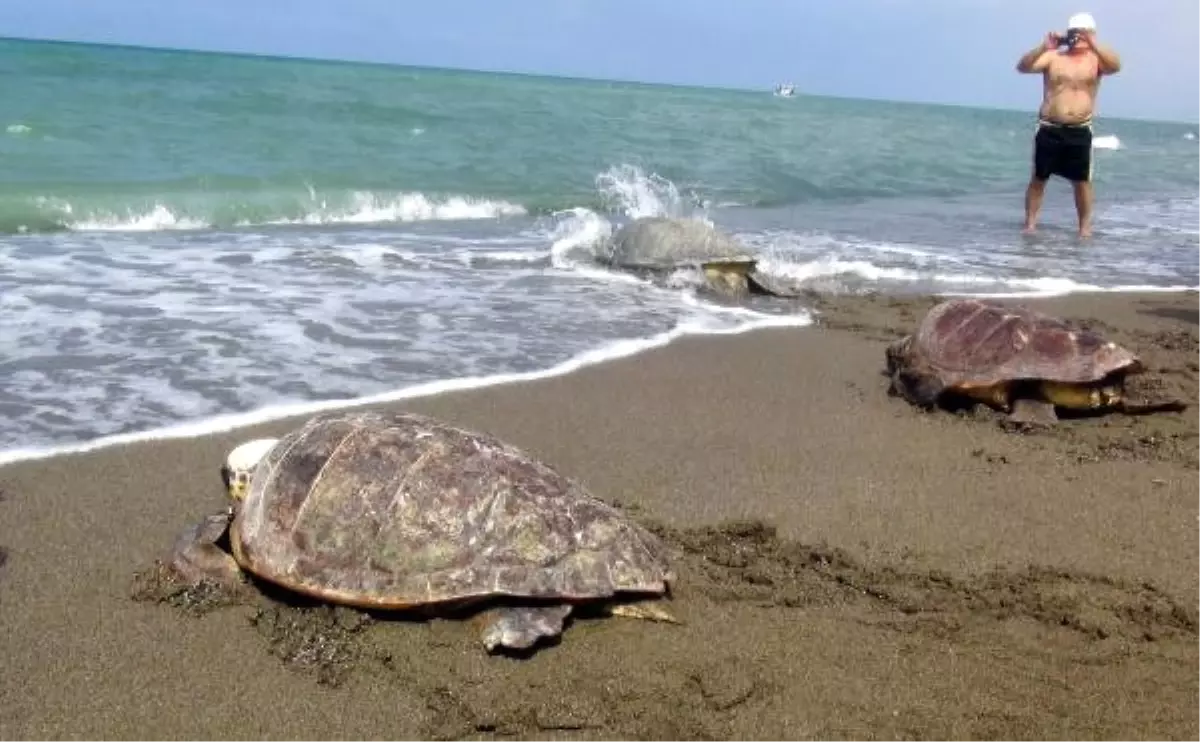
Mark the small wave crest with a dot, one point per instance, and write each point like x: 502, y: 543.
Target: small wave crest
x: 1107, y: 141
x: 190, y: 211
x: 366, y: 208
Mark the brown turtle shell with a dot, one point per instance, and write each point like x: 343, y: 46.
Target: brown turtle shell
x: 975, y: 343
x: 391, y: 510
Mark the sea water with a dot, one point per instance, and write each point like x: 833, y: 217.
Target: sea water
x: 192, y: 242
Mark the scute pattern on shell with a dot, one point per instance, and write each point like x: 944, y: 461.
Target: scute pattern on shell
x: 661, y: 242
x: 978, y: 342
x: 390, y: 509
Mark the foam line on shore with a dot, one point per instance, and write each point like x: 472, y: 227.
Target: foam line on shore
x: 226, y: 423
x: 1054, y: 288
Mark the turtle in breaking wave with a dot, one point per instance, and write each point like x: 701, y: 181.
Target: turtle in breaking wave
x: 1016, y: 360
x: 662, y: 245
x: 390, y: 511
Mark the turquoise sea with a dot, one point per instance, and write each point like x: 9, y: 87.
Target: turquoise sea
x: 192, y: 241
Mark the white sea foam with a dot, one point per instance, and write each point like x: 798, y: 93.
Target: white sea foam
x: 1040, y: 288
x: 223, y: 423
x: 1106, y: 141
x: 18, y: 129
x: 576, y: 236
x: 831, y: 267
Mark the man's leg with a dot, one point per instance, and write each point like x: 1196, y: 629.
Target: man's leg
x: 1043, y: 166
x: 1077, y: 167
x: 1083, y: 206
x: 1033, y: 201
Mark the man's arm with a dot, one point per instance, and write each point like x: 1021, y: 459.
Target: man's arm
x: 1037, y: 59
x: 1110, y: 61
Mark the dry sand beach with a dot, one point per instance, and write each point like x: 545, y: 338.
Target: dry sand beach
x: 848, y: 566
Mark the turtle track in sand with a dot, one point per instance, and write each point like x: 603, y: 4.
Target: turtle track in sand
x: 3, y: 549
x: 747, y: 597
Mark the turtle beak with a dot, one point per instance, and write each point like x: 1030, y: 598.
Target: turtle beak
x: 235, y: 483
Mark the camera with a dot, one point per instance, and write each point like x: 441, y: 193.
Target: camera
x: 1069, y: 39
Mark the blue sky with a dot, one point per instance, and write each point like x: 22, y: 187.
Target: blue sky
x: 945, y: 51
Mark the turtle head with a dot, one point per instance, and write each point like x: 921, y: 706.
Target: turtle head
x: 240, y: 464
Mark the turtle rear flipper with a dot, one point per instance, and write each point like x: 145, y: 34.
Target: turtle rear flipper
x: 760, y: 282
x: 520, y: 627
x: 1107, y: 397
x: 1150, y: 406
x: 1147, y: 394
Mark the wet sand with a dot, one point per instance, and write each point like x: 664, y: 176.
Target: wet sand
x: 848, y: 566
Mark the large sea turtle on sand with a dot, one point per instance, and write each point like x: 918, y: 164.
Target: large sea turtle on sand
x: 660, y: 245
x: 400, y: 511
x: 1016, y: 360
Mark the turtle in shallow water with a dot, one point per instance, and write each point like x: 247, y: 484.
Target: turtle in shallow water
x: 1016, y: 360
x: 659, y: 245
x: 400, y: 511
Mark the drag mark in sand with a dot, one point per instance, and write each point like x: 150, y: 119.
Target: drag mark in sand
x: 749, y: 562
x: 740, y: 585
x: 3, y: 550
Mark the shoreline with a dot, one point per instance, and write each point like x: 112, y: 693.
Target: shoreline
x: 229, y: 422
x: 848, y: 566
x: 613, y: 351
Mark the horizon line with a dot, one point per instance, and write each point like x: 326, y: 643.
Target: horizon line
x: 546, y: 75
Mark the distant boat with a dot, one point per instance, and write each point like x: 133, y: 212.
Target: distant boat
x: 785, y: 90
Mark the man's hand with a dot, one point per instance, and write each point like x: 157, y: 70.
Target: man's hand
x: 1110, y: 62
x: 1037, y: 59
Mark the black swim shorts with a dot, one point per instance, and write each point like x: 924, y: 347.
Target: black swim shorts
x: 1064, y: 150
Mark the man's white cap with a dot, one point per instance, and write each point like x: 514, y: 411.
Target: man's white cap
x: 1083, y: 21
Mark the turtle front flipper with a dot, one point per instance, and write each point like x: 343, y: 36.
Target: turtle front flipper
x: 520, y: 627
x: 648, y: 610
x: 1032, y: 412
x: 196, y: 556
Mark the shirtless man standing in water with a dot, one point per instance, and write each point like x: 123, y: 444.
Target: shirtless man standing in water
x: 1063, y: 143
